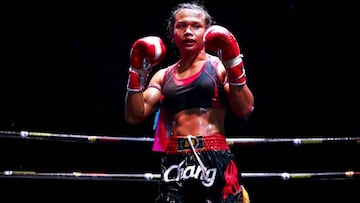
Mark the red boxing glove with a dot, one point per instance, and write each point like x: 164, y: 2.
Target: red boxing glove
x: 221, y: 41
x: 145, y: 53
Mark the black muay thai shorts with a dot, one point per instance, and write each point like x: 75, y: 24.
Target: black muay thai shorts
x: 199, y: 169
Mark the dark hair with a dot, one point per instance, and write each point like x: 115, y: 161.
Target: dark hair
x: 192, y: 5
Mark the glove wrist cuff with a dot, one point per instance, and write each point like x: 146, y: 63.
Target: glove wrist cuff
x: 136, y: 81
x: 233, y: 62
x: 236, y: 75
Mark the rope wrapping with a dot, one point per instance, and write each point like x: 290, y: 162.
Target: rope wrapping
x: 156, y: 176
x: 230, y: 141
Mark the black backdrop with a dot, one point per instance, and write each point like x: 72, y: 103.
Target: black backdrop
x: 65, y: 64
x: 65, y: 70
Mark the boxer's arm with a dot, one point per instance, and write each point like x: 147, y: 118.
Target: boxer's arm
x: 140, y: 102
x: 222, y: 42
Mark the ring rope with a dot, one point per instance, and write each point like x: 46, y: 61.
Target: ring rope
x: 231, y: 141
x: 156, y: 176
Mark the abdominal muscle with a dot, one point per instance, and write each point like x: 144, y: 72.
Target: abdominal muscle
x: 198, y: 121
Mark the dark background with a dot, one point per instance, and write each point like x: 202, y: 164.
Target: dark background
x: 64, y: 70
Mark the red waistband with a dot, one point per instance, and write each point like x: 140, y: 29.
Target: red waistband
x: 180, y: 144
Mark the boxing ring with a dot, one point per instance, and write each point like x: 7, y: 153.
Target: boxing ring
x: 348, y: 174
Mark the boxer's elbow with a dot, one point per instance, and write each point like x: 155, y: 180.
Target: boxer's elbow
x: 132, y: 118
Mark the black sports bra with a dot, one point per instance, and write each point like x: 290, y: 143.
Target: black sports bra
x: 202, y: 90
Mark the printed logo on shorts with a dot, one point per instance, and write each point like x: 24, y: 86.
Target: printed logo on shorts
x: 179, y: 172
